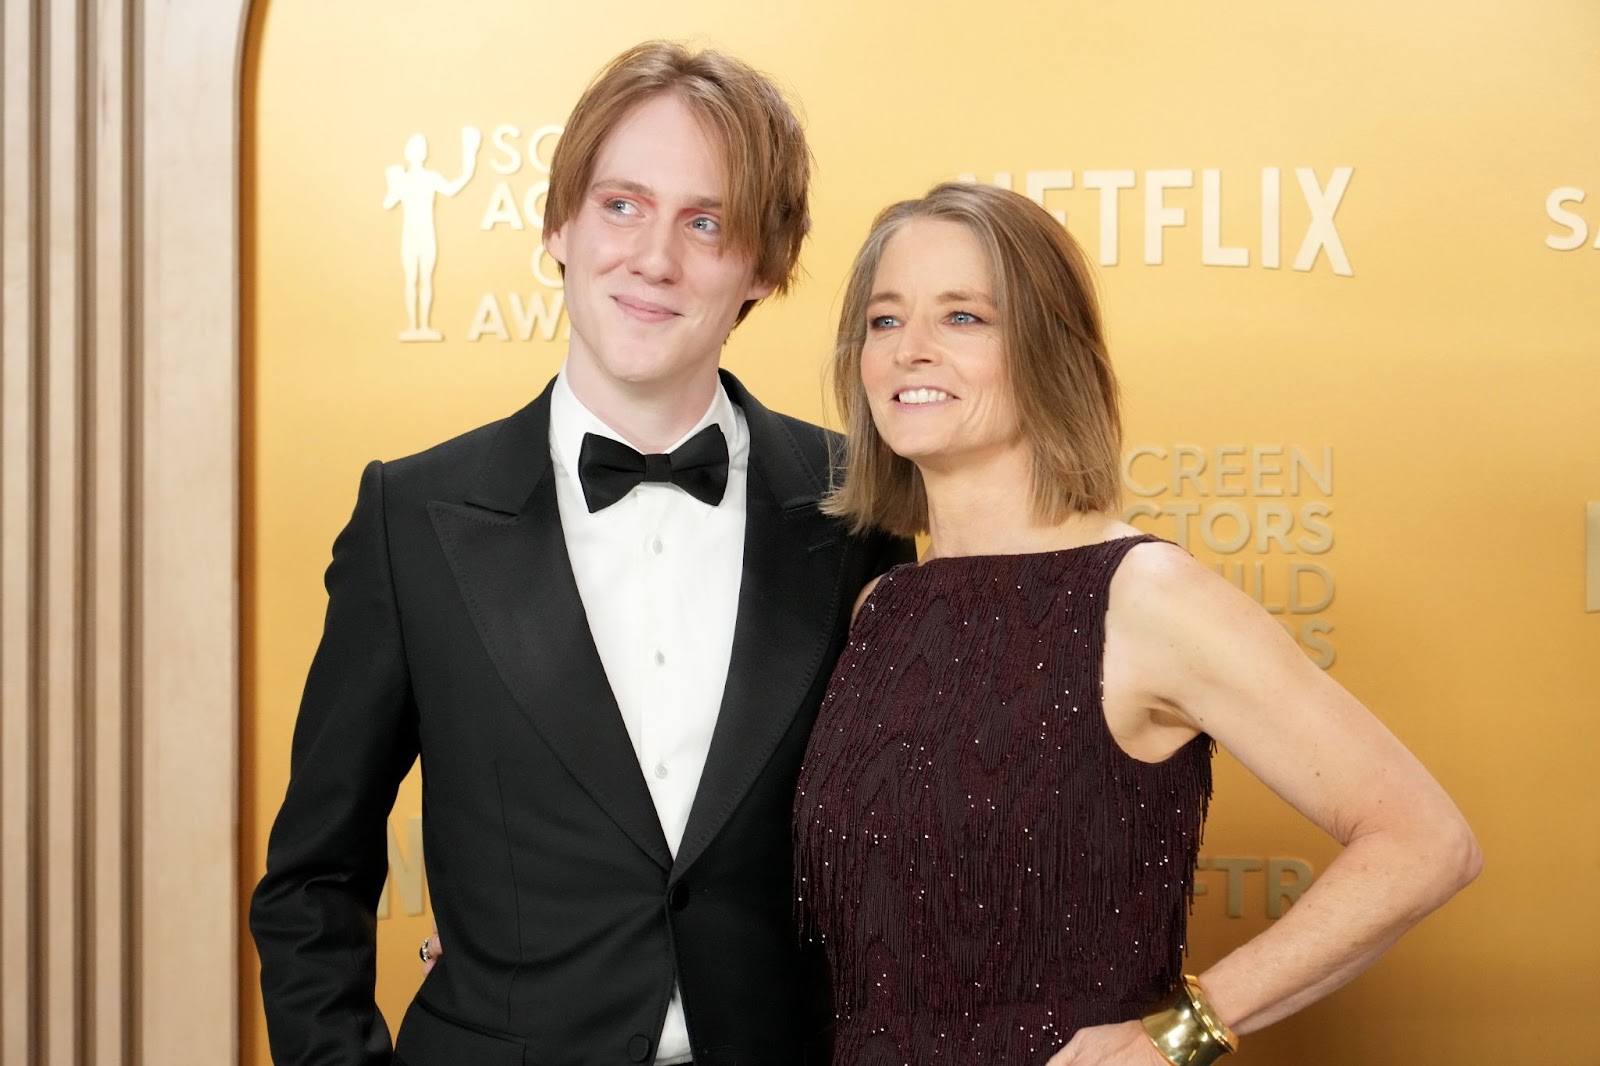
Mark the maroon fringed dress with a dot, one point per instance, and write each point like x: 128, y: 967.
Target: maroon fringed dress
x: 988, y: 871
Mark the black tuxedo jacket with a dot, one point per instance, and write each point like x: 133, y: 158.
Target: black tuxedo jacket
x: 455, y: 630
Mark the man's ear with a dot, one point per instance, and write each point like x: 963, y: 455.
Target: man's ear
x: 555, y: 242
x: 759, y: 290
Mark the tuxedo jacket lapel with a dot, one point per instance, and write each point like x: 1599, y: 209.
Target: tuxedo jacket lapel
x: 788, y: 598
x: 509, y: 557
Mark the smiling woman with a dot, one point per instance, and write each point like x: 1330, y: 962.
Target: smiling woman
x: 999, y: 815
x: 1009, y: 297
x: 956, y: 408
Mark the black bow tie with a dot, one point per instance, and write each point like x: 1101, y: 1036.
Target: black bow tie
x: 609, y: 469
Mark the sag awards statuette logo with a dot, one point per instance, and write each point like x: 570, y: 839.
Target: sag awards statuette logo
x: 1320, y: 239
x: 414, y: 189
x: 513, y: 206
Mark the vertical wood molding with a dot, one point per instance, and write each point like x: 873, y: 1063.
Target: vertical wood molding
x: 107, y: 677
x: 18, y: 535
x: 119, y: 409
x: 64, y: 536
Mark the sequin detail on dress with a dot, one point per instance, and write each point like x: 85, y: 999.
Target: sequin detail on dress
x: 988, y: 871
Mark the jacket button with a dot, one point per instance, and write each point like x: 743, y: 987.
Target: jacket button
x: 678, y: 898
x: 639, y: 1048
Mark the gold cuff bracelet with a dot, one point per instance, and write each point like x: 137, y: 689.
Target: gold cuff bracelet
x: 1187, y: 1031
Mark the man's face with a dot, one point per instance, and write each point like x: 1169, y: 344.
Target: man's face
x: 651, y: 288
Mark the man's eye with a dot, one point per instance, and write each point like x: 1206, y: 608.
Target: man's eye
x: 619, y: 206
x: 882, y: 322
x: 706, y: 225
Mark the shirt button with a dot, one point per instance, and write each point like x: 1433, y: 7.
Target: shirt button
x: 661, y: 658
x: 661, y: 770
x: 655, y: 545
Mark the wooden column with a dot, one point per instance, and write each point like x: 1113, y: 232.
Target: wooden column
x: 118, y: 531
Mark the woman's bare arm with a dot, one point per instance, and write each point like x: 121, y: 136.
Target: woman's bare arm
x: 1187, y: 649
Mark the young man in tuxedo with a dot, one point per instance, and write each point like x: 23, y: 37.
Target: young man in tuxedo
x: 605, y: 624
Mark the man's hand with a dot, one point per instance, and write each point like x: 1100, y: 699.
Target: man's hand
x: 432, y: 948
x: 1123, y: 1044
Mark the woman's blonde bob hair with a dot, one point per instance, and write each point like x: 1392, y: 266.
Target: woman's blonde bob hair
x: 1062, y: 385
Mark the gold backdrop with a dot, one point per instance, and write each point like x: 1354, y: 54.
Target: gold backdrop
x: 1350, y: 258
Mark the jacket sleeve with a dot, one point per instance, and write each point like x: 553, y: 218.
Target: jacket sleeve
x: 313, y: 915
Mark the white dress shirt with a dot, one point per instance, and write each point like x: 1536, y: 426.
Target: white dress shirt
x: 658, y: 572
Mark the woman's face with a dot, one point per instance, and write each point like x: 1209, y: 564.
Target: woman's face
x: 933, y: 364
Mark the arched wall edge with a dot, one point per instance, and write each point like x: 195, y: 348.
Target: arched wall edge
x: 187, y: 477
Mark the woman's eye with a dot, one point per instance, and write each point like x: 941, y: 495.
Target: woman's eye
x: 882, y: 322
x: 964, y: 318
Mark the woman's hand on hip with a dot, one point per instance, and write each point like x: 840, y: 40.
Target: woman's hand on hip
x: 1122, y: 1044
